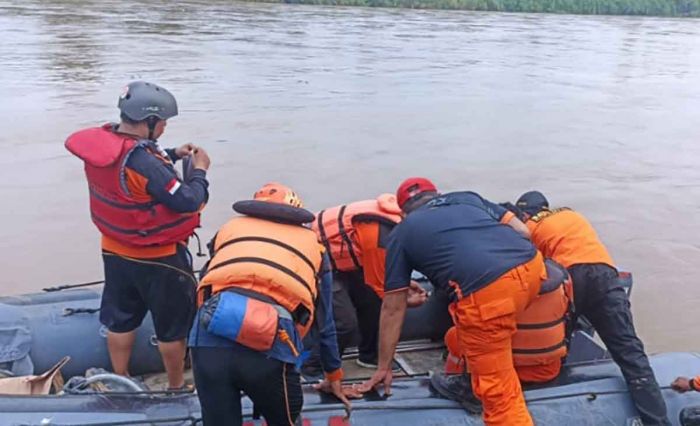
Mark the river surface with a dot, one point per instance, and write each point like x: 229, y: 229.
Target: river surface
x: 600, y: 113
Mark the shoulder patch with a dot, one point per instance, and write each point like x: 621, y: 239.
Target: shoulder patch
x: 173, y: 186
x: 546, y: 213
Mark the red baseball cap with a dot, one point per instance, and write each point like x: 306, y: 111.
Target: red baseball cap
x: 412, y: 187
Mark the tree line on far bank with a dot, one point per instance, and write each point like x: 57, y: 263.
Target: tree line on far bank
x: 687, y: 8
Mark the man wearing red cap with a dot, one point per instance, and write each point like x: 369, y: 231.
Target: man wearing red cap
x: 480, y: 254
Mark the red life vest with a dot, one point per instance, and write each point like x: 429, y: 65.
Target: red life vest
x: 114, y: 211
x: 336, y: 231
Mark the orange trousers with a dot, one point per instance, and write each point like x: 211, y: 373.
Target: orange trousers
x: 486, y: 322
x: 539, y: 373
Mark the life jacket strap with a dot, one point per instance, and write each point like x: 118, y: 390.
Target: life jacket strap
x: 272, y: 241
x: 346, y: 237
x: 539, y: 350
x: 265, y: 262
x: 324, y: 238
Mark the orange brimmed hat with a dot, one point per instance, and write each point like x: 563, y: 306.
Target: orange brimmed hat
x: 274, y: 192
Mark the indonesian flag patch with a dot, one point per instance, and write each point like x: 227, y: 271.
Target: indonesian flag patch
x: 173, y: 186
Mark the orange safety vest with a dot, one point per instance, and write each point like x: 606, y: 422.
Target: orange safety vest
x: 275, y: 260
x: 567, y: 237
x: 336, y: 231
x: 454, y: 362
x: 541, y: 334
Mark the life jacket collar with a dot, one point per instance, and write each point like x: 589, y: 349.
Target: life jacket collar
x: 275, y: 212
x: 387, y: 203
x: 547, y: 212
x: 91, y: 145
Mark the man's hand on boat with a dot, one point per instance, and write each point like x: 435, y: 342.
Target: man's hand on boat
x: 390, y: 322
x: 382, y: 375
x: 681, y: 384
x: 416, y: 295
x: 342, y: 392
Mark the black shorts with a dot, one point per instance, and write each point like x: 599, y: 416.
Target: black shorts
x: 165, y: 286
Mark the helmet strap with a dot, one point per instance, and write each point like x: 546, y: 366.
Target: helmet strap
x: 151, y: 122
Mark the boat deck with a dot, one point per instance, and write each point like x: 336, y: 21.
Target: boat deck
x: 415, y: 358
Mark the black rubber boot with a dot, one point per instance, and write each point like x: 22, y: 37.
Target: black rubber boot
x: 456, y: 387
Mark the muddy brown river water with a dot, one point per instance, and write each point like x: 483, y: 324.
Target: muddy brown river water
x: 600, y: 113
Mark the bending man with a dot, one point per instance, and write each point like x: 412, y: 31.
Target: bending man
x: 567, y: 237
x: 266, y: 282
x: 479, y: 253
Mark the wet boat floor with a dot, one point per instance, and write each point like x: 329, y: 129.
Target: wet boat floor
x: 415, y: 358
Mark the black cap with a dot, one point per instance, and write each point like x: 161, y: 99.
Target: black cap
x: 532, y: 202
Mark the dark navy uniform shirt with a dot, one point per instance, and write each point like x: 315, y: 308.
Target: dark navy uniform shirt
x: 456, y: 237
x: 161, y: 181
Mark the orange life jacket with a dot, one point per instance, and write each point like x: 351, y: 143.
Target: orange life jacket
x: 454, y: 363
x: 336, y: 232
x: 567, y: 237
x: 541, y: 334
x: 278, y: 261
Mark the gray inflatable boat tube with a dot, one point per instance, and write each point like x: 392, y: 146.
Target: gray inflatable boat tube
x: 52, y: 325
x: 67, y: 323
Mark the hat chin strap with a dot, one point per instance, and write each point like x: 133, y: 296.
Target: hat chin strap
x: 151, y: 122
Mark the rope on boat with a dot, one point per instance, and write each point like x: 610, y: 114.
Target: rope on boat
x: 85, y: 284
x: 71, y: 311
x: 69, y: 286
x: 187, y: 420
x: 590, y: 396
x: 164, y: 393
